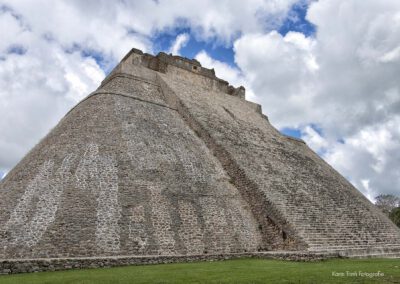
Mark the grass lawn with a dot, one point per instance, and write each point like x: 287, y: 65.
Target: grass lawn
x: 230, y: 271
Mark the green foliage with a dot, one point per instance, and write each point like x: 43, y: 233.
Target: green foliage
x: 390, y: 205
x: 395, y: 216
x: 232, y: 271
x: 387, y: 202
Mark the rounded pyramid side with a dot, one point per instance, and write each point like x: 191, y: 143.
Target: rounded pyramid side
x: 121, y: 174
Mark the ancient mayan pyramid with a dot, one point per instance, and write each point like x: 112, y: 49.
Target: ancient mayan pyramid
x: 164, y: 158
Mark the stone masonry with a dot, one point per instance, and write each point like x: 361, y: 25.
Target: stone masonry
x: 165, y: 159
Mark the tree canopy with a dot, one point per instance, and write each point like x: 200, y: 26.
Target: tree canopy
x: 390, y: 205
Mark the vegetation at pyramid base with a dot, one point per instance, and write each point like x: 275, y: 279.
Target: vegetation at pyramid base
x: 390, y: 205
x: 395, y: 216
x: 231, y: 271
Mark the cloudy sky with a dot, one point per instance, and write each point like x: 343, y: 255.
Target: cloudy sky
x: 327, y: 71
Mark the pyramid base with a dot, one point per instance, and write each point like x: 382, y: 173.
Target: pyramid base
x: 14, y: 266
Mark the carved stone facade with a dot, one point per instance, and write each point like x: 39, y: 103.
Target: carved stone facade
x: 165, y: 159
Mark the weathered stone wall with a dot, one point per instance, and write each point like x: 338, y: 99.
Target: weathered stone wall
x: 122, y: 174
x: 36, y: 265
x: 167, y: 160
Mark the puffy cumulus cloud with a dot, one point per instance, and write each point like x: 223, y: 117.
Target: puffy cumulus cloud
x: 114, y: 29
x: 12, y: 31
x: 314, y: 139
x: 39, y: 82
x: 180, y: 41
x: 90, y: 25
x: 353, y: 74
x: 344, y: 80
x: 358, y: 93
x: 33, y: 101
x: 281, y: 70
x: 221, y: 21
x: 370, y: 158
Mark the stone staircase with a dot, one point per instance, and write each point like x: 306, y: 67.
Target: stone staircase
x: 305, y: 197
x: 347, y: 231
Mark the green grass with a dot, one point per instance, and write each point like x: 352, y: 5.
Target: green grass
x: 231, y: 271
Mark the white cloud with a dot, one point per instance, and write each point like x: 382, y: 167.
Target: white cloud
x: 180, y: 41
x: 371, y: 154
x: 114, y: 28
x: 38, y: 85
x: 218, y: 20
x: 92, y: 25
x: 11, y: 31
x: 358, y: 94
x: 313, y: 139
x: 2, y: 175
x: 281, y: 71
x: 345, y: 80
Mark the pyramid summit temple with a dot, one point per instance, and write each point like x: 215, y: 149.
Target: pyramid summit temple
x: 166, y: 162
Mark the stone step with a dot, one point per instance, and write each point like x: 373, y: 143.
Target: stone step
x: 354, y: 249
x: 339, y: 237
x: 384, y: 255
x: 347, y: 234
x: 313, y: 244
x: 357, y: 240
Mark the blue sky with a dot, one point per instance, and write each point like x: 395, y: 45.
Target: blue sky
x: 295, y: 21
x: 194, y: 46
x: 317, y: 75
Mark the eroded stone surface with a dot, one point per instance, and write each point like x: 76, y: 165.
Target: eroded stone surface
x: 165, y: 159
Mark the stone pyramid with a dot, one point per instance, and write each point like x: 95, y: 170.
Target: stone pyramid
x: 164, y: 158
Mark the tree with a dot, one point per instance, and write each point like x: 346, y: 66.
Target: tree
x: 387, y: 202
x: 395, y: 216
